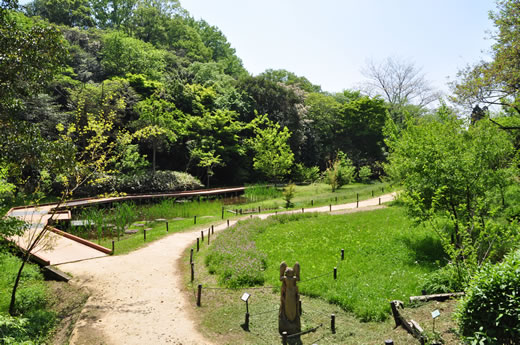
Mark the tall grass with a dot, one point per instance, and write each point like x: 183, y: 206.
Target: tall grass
x: 385, y: 256
x: 260, y: 192
x: 172, y: 208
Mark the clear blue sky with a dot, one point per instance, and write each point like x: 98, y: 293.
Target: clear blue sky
x: 329, y: 41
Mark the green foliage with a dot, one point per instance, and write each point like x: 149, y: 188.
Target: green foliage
x: 172, y: 208
x: 385, y: 256
x: 261, y: 192
x: 447, y: 279
x: 288, y: 194
x: 122, y: 54
x: 304, y: 174
x: 364, y: 174
x: 161, y: 181
x: 495, y: 82
x: 339, y: 172
x: 31, y: 52
x: 490, y: 311
x: 124, y: 214
x: 455, y: 180
x: 70, y: 12
x: 289, y: 78
x: 36, y: 322
x: 273, y: 156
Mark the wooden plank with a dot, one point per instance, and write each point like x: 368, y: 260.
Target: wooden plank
x: 81, y: 240
x: 436, y: 297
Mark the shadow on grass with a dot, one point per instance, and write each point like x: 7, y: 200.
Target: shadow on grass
x: 427, y: 251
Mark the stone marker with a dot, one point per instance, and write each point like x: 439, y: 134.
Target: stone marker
x: 289, y: 315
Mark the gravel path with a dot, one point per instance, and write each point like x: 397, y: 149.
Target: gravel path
x: 139, y: 298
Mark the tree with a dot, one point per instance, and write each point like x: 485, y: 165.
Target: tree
x: 69, y: 12
x: 158, y: 122
x: 112, y: 13
x: 495, y: 82
x: 31, y: 53
x: 400, y: 83
x: 90, y: 152
x: 283, y: 104
x: 273, y: 156
x: 459, y: 181
x: 289, y: 78
x: 123, y: 54
x: 339, y: 172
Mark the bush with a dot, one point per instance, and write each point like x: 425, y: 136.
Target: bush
x: 445, y: 280
x: 339, y: 172
x: 490, y: 312
x: 364, y: 174
x: 304, y: 174
x: 162, y: 181
x: 288, y: 194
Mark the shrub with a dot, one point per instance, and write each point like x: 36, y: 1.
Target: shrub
x: 364, y: 174
x: 162, y: 181
x: 339, y: 172
x: 288, y: 194
x: 12, y: 329
x: 445, y: 280
x: 490, y: 312
x: 304, y: 174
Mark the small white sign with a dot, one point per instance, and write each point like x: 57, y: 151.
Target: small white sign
x: 436, y: 313
x: 245, y: 296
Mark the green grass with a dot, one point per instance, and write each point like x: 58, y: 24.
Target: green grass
x: 180, y: 214
x: 173, y: 209
x: 128, y: 243
x: 318, y: 194
x: 36, y: 321
x: 385, y: 256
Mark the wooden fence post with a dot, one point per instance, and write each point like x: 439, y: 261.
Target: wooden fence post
x: 199, y: 293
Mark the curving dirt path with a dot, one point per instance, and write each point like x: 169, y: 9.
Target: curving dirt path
x: 139, y: 298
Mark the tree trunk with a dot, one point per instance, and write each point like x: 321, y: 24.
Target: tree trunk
x: 154, y: 149
x: 12, y: 310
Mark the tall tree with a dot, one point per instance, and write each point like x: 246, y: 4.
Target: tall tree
x: 76, y: 13
x: 460, y: 181
x: 401, y: 84
x: 31, y: 53
x: 495, y: 82
x: 273, y: 156
x: 158, y: 123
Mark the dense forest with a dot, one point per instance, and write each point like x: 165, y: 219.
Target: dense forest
x: 165, y: 92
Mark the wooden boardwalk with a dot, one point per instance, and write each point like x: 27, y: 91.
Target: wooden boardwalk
x: 56, y: 249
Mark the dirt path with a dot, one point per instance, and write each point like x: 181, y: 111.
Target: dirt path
x: 139, y: 298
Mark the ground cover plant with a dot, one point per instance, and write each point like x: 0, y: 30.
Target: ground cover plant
x: 35, y: 320
x: 385, y: 257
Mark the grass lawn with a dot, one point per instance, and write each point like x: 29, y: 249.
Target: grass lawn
x: 319, y: 194
x: 385, y: 258
x: 127, y: 243
x: 180, y: 215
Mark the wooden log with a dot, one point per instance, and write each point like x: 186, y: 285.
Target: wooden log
x: 436, y: 297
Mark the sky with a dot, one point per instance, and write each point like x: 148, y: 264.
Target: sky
x: 330, y: 41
